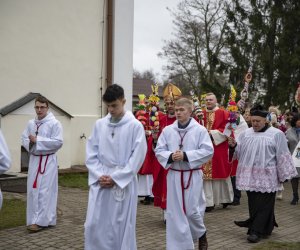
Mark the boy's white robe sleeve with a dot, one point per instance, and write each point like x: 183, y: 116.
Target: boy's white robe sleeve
x: 204, y: 152
x: 92, y: 162
x: 4, y: 155
x: 123, y: 176
x: 162, y: 151
x: 25, y: 139
x: 45, y: 145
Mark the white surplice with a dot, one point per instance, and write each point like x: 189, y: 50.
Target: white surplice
x: 264, y: 161
x: 183, y: 228
x: 4, y: 159
x: 42, y: 200
x: 118, y: 150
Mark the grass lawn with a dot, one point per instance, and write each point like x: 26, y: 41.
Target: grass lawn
x: 74, y: 180
x: 277, y: 245
x: 13, y: 213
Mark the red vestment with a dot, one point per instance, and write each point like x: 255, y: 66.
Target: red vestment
x: 147, y: 167
x: 218, y: 167
x: 159, y: 188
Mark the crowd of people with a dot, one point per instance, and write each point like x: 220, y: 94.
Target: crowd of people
x: 187, y: 161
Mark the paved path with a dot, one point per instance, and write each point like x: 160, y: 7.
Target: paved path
x: 222, y: 233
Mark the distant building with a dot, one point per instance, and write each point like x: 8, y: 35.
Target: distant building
x: 143, y: 86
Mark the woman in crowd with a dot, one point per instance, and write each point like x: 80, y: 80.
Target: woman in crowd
x: 293, y: 137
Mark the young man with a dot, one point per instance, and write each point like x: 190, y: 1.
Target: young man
x: 182, y: 148
x: 4, y: 160
x: 170, y: 94
x: 114, y: 153
x: 264, y: 163
x: 42, y: 138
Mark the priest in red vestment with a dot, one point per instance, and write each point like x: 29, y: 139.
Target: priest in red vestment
x: 216, y: 172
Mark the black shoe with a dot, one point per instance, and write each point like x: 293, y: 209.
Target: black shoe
x: 203, y: 245
x: 146, y: 201
x: 235, y: 203
x: 209, y: 209
x: 295, y: 199
x: 225, y: 205
x: 242, y: 223
x: 253, y: 238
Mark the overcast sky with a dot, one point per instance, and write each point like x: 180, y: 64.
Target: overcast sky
x: 152, y: 25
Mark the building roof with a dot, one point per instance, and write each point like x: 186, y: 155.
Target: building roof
x: 143, y: 86
x: 25, y: 99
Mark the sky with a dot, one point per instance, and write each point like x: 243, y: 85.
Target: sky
x: 152, y: 25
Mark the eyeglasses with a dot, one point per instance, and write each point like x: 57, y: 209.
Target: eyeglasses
x: 40, y: 107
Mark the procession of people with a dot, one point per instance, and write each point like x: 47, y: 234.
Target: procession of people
x: 187, y: 158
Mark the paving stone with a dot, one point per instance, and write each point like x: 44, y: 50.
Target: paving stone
x: 150, y: 229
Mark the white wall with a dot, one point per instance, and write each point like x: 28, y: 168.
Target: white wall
x: 123, y: 47
x: 57, y: 48
x: 54, y: 48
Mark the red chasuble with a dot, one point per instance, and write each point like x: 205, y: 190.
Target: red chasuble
x: 218, y: 167
x: 159, y: 188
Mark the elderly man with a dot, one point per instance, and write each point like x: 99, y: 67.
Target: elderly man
x: 182, y: 148
x: 264, y: 163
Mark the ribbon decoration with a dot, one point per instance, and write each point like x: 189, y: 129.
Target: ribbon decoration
x: 244, y: 93
x: 198, y: 112
x: 153, y: 109
x: 233, y: 119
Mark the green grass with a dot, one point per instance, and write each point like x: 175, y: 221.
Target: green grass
x: 13, y: 213
x: 74, y: 180
x: 277, y: 245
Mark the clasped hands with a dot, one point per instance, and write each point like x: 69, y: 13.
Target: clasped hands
x: 177, y: 155
x: 106, y: 181
x: 32, y: 139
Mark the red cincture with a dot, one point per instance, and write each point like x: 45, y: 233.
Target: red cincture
x: 183, y: 188
x: 40, y: 171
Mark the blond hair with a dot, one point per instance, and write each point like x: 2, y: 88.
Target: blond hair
x: 184, y: 101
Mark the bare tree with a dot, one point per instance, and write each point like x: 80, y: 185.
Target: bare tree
x: 197, y: 52
x: 147, y: 74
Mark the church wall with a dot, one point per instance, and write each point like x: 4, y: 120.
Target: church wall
x: 57, y: 48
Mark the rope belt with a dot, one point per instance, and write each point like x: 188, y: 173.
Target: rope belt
x: 39, y: 170
x: 182, y: 183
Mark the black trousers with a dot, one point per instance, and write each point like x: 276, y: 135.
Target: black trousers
x: 237, y: 193
x: 261, y: 211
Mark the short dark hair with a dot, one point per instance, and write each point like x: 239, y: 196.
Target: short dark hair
x: 113, y: 93
x: 42, y: 99
x: 296, y: 117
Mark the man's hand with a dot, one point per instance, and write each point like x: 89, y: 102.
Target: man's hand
x: 106, y: 181
x: 231, y: 142
x: 154, y: 136
x: 32, y: 139
x: 177, y: 155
